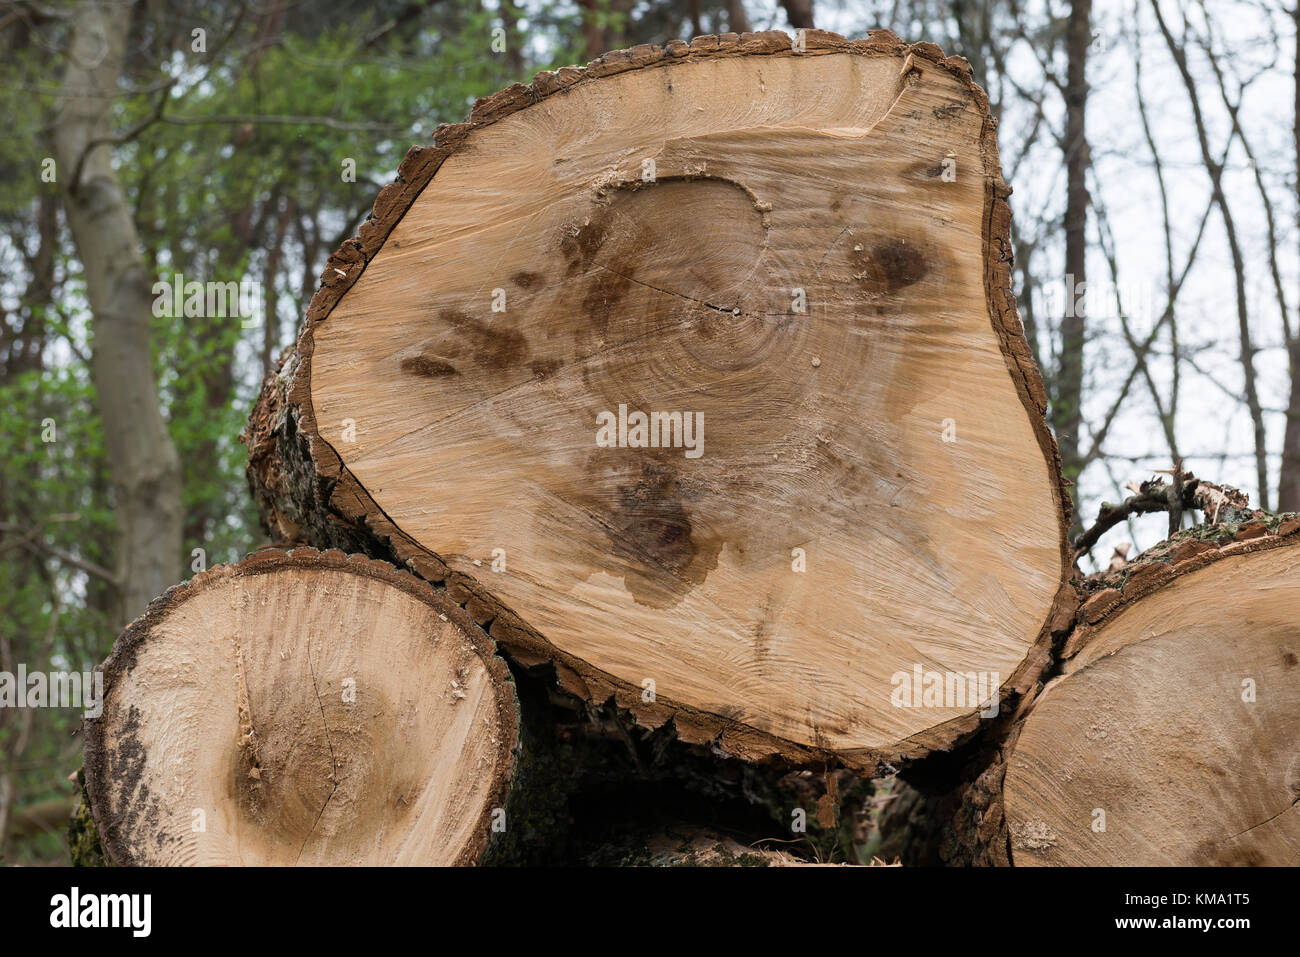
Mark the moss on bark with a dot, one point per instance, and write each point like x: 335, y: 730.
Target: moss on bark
x: 83, y: 836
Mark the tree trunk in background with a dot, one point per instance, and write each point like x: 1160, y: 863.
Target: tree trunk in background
x: 1288, y: 491
x: 270, y: 298
x: 595, y: 33
x: 142, y: 459
x: 514, y: 41
x: 1214, y: 169
x: 737, y: 19
x: 15, y: 743
x: 974, y: 29
x: 1067, y: 404
x: 40, y: 290
x: 799, y: 13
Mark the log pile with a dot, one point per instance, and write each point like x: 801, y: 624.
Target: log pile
x: 691, y: 386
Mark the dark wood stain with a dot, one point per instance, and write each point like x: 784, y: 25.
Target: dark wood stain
x: 495, y: 346
x: 428, y: 366
x: 580, y: 247
x: 544, y: 368
x: 902, y: 263
x: 651, y: 529
x: 605, y: 292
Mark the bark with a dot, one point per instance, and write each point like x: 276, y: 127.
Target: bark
x: 1219, y: 503
x: 143, y: 462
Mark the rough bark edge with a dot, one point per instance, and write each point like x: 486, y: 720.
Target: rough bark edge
x: 122, y: 660
x: 1107, y: 596
x: 941, y: 823
x: 283, y: 430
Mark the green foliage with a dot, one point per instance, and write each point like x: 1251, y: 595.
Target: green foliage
x: 55, y: 495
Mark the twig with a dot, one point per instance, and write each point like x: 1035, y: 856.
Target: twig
x: 30, y: 539
x: 1218, y: 502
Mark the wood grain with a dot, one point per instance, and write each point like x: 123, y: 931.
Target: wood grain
x: 301, y: 708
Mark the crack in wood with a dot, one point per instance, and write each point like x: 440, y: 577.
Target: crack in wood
x: 330, y: 743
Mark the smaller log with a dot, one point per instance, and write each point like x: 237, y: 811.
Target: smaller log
x: 1169, y: 738
x: 304, y: 708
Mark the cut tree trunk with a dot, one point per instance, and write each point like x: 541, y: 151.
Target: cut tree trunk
x: 801, y: 257
x: 1170, y: 737
x: 303, y: 708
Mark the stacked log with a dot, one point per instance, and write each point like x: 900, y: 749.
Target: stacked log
x: 685, y: 394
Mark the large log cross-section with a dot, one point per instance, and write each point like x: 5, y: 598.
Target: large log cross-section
x: 697, y: 373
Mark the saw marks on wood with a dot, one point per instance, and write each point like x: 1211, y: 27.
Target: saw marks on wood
x: 1154, y: 725
x: 787, y: 253
x: 301, y: 709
